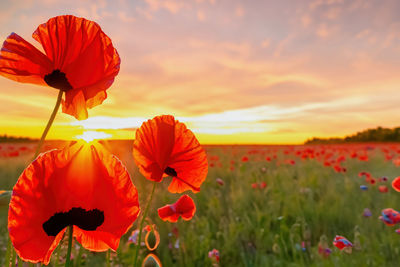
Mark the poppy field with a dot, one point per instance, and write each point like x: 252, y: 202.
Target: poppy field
x: 259, y: 206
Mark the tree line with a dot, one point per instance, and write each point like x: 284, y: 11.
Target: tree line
x: 8, y: 139
x: 378, y: 134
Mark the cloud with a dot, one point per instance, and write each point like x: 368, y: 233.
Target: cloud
x: 253, y: 119
x: 125, y: 18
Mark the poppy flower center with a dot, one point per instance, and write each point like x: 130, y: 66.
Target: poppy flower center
x: 58, y: 79
x: 87, y: 220
x: 170, y: 171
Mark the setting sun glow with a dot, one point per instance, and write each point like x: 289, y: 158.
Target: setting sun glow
x: 305, y: 69
x: 90, y: 136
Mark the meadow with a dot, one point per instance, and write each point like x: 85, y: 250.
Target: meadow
x: 259, y: 206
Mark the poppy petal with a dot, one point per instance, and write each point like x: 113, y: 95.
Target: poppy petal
x: 153, y: 145
x: 22, y: 62
x: 184, y: 207
x: 189, y: 160
x: 167, y: 213
x: 165, y: 147
x: 84, y: 53
x: 96, y: 241
x: 77, y: 181
x: 75, y: 104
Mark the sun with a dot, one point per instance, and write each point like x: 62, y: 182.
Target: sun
x: 89, y: 136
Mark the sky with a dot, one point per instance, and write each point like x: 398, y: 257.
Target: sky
x: 236, y: 72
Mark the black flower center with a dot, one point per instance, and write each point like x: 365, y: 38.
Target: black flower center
x: 87, y: 220
x: 170, y: 171
x: 57, y: 79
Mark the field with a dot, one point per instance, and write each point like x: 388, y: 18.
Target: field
x: 271, y: 206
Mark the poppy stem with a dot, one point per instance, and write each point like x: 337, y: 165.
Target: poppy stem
x: 108, y: 258
x: 49, y: 123
x: 8, y: 252
x: 13, y: 257
x: 68, y: 257
x: 57, y: 256
x: 78, y: 263
x: 141, y: 224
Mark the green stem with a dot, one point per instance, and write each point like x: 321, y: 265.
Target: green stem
x: 141, y: 224
x: 68, y: 258
x: 14, y: 255
x: 49, y: 123
x: 8, y: 252
x: 108, y: 258
x: 78, y: 263
x: 57, y: 255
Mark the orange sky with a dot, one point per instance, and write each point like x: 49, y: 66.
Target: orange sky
x: 234, y: 71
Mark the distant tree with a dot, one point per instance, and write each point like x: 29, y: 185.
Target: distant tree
x: 378, y: 134
x: 7, y: 139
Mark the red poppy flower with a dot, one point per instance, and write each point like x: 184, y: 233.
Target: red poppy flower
x: 214, y: 254
x: 390, y: 217
x: 80, y: 60
x: 165, y: 147
x: 337, y: 168
x: 263, y: 185
x: 81, y: 186
x: 396, y: 184
x: 184, y: 207
x: 383, y: 189
x: 366, y: 174
x: 341, y: 242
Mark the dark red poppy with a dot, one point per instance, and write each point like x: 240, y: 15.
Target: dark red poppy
x: 383, y: 179
x: 184, y: 207
x: 81, y: 186
x: 79, y: 59
x: 165, y: 147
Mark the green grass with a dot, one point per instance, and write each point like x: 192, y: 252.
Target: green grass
x: 257, y: 227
